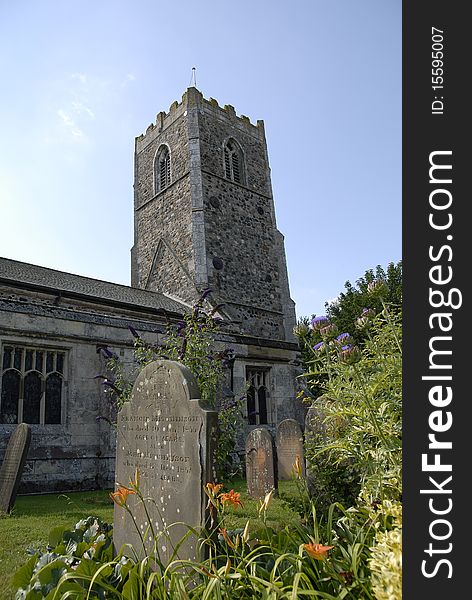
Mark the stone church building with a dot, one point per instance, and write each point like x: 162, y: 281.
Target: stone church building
x: 203, y: 218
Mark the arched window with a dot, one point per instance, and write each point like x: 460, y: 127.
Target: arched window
x: 10, y: 396
x: 257, y: 396
x: 31, y: 385
x: 162, y: 169
x: 234, y: 163
x: 52, y: 408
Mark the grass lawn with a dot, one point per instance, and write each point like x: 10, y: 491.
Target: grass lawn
x: 33, y: 517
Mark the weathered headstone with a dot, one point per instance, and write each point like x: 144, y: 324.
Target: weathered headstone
x: 13, y: 465
x: 261, y: 475
x: 166, y: 433
x: 289, y: 445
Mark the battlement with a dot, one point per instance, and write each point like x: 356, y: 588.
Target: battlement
x: 193, y: 98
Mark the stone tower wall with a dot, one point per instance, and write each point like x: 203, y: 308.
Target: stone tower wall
x: 202, y: 217
x: 163, y: 253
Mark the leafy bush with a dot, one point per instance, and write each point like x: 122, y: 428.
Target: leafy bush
x: 324, y: 559
x: 361, y: 402
x: 191, y: 342
x: 357, y: 448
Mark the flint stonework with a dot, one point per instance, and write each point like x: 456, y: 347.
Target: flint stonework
x: 289, y: 444
x: 166, y: 433
x: 13, y: 465
x: 261, y: 473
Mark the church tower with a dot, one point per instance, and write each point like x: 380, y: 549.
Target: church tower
x: 204, y: 216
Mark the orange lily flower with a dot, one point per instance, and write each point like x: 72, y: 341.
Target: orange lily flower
x: 232, y: 497
x: 214, y: 488
x: 119, y: 497
x: 317, y: 551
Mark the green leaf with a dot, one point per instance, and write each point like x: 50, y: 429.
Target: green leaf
x: 22, y: 577
x: 56, y: 536
x: 87, y: 567
x: 132, y: 587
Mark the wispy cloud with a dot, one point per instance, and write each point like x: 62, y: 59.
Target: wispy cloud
x: 79, y: 99
x: 80, y: 108
x: 70, y: 124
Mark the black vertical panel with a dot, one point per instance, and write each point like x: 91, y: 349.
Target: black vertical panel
x: 436, y: 121
x: 32, y: 398
x: 53, y: 397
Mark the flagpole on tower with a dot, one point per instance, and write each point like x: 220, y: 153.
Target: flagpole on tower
x: 193, y: 78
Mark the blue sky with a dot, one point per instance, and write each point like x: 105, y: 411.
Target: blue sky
x: 80, y: 80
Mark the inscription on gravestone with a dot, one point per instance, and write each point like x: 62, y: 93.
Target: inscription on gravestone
x: 261, y: 474
x: 166, y: 433
x: 13, y: 465
x: 289, y: 444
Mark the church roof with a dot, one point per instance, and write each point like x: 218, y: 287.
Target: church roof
x: 20, y: 274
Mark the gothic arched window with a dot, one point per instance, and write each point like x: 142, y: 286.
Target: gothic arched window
x: 162, y: 169
x: 257, y: 396
x: 234, y: 163
x: 31, y: 385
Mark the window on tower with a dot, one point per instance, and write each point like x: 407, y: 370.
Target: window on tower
x: 258, y: 406
x: 234, y: 167
x: 162, y: 169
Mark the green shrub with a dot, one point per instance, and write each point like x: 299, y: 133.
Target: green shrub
x: 320, y: 558
x: 191, y: 342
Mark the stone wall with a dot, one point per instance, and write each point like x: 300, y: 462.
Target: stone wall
x: 204, y: 230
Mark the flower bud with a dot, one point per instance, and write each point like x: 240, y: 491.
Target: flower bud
x: 350, y: 354
x: 329, y: 331
x: 301, y: 329
x: 377, y: 288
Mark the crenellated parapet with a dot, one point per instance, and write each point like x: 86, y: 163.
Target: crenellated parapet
x: 193, y: 99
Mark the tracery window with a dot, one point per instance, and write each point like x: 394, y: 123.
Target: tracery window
x: 234, y: 163
x: 258, y: 408
x: 32, y: 381
x: 162, y: 171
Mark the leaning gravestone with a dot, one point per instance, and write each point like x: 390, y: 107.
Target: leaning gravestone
x: 261, y: 474
x: 289, y: 444
x: 166, y: 433
x: 13, y: 465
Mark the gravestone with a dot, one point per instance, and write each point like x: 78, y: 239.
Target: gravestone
x: 289, y: 445
x: 13, y: 465
x: 166, y: 433
x: 261, y: 475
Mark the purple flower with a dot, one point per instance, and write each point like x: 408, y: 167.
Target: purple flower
x: 319, y: 346
x: 106, y: 352
x: 318, y: 322
x: 344, y: 338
